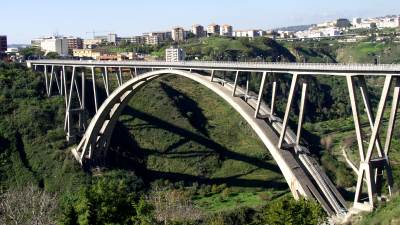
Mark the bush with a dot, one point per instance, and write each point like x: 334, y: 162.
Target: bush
x: 289, y: 211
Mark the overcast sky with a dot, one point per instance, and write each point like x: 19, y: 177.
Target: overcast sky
x: 22, y: 20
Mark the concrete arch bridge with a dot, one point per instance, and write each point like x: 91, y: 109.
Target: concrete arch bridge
x: 301, y: 171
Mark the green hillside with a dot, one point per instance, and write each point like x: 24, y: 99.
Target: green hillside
x: 187, y: 133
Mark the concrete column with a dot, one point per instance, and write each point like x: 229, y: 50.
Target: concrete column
x: 121, y: 81
x: 289, y: 104
x: 356, y: 115
x: 106, y: 81
x: 247, y: 86
x: 58, y: 82
x: 235, y: 85
x: 302, y: 108
x: 273, y: 95
x: 94, y: 89
x: 46, y: 79
x: 392, y: 118
x: 379, y: 115
x: 212, y: 76
x: 51, y: 81
x: 260, y: 94
x: 68, y: 110
x: 368, y: 109
x: 82, y: 118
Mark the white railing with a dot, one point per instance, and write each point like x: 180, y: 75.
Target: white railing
x: 337, y: 67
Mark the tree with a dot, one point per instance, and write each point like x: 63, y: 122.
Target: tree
x: 30, y: 206
x: 288, y: 211
x: 52, y: 55
x: 31, y: 53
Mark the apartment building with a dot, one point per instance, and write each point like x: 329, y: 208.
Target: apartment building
x: 213, y: 29
x: 178, y: 34
x: 198, y: 30
x: 226, y: 30
x: 74, y: 43
x: 174, y: 54
x: 55, y: 44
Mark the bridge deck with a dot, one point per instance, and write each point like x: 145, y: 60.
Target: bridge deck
x: 301, y: 68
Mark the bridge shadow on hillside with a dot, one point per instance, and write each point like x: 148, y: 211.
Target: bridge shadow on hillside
x: 125, y: 152
x: 188, y: 108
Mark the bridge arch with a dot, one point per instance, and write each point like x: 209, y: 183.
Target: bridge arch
x: 97, y: 137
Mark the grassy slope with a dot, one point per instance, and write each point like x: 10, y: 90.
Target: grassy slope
x: 189, y: 133
x: 367, y: 52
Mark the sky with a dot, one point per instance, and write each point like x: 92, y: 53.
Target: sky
x: 23, y: 20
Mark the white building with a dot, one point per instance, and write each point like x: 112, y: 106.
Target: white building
x: 227, y: 30
x: 55, y: 44
x: 213, y: 29
x: 198, y: 30
x: 174, y: 54
x: 246, y: 33
x: 389, y: 22
x: 178, y: 34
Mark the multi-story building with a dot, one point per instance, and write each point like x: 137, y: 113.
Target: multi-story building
x: 152, y: 40
x: 139, y: 40
x: 3, y: 43
x: 226, y: 30
x: 87, y: 53
x: 156, y: 38
x: 55, y: 44
x: 91, y: 43
x: 246, y: 33
x: 74, y: 43
x: 178, y: 34
x: 198, y: 30
x: 389, y: 22
x: 112, y: 38
x: 174, y: 54
x: 213, y: 29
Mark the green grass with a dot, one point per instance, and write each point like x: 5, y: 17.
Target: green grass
x: 219, y: 202
x: 187, y: 133
x: 367, y: 52
x: 385, y: 214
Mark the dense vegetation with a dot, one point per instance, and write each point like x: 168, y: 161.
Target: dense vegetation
x: 222, y: 185
x: 180, y: 167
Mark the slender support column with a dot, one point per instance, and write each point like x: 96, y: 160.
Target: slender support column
x: 58, y: 82
x: 247, y: 86
x: 82, y: 118
x: 106, y: 81
x: 301, y: 116
x: 51, y: 81
x: 131, y: 73
x: 65, y: 86
x: 356, y: 115
x: 121, y: 81
x: 368, y: 109
x: 77, y: 92
x: 68, y: 110
x: 260, y: 94
x: 94, y: 90
x: 287, y: 111
x: 392, y: 118
x: 46, y: 79
x: 379, y: 115
x: 136, y: 74
x: 235, y: 85
x: 273, y: 95
x: 212, y: 76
